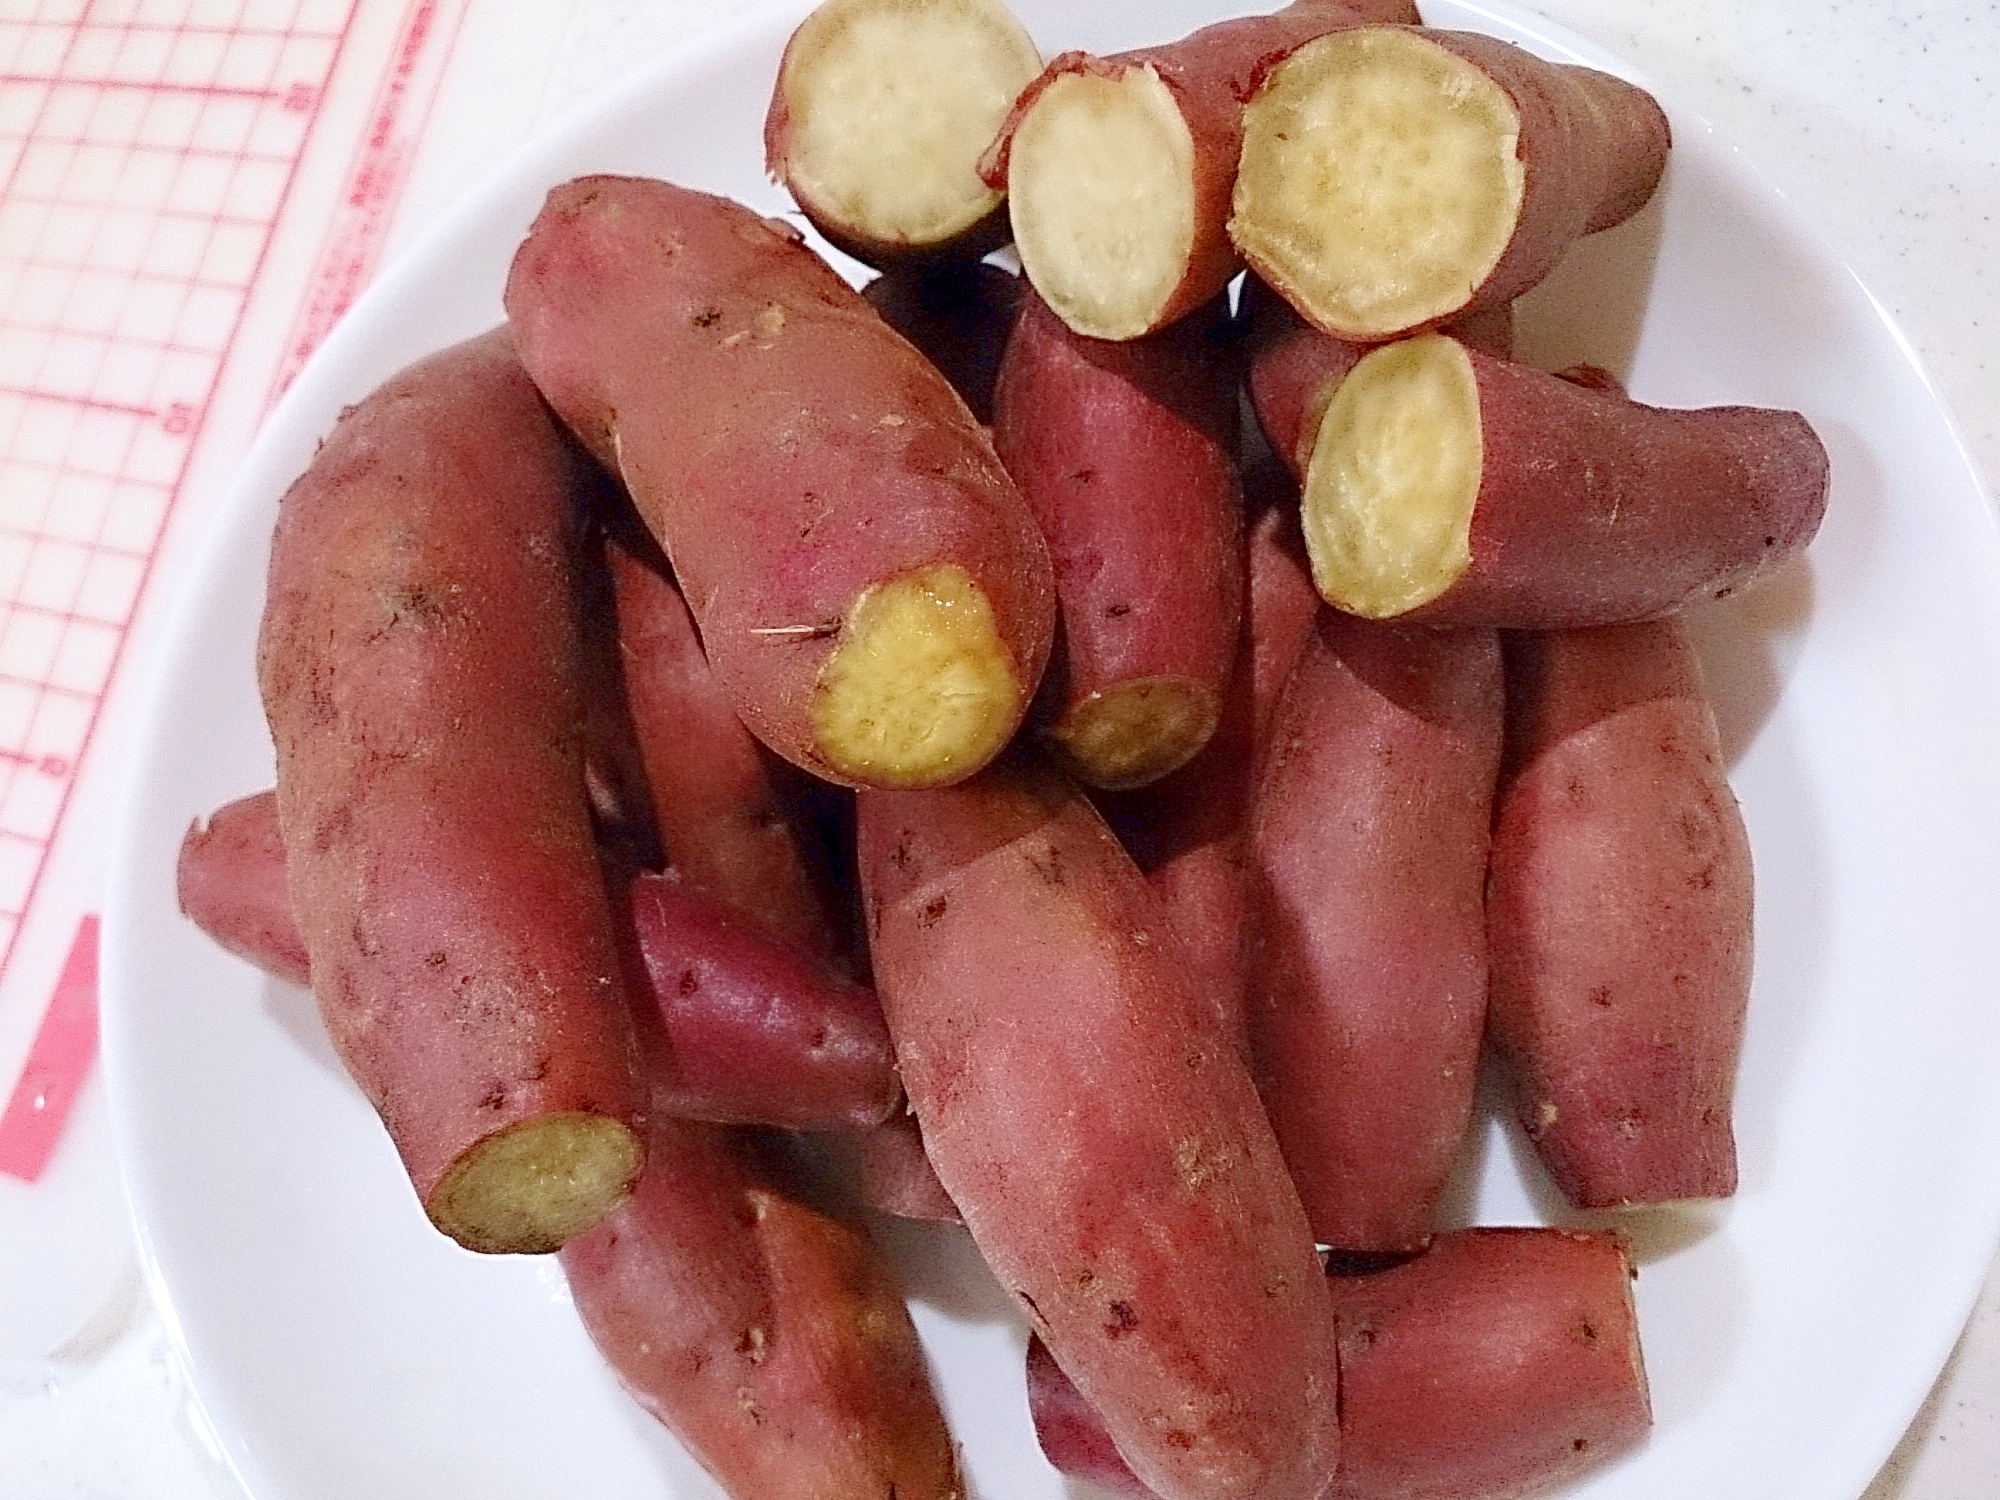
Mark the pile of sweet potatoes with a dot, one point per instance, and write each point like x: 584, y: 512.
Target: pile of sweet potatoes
x: 718, y: 705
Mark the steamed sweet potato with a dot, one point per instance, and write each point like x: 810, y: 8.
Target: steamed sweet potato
x: 1500, y: 1363
x: 1099, y: 1132
x: 1619, y: 916
x: 1126, y: 455
x: 761, y: 1034
x: 871, y: 591
x: 958, y: 314
x: 879, y: 116
x: 1393, y: 178
x: 420, y: 661
x: 764, y: 1333
x: 1370, y: 994
x: 1452, y: 488
x: 1119, y: 169
x: 230, y: 880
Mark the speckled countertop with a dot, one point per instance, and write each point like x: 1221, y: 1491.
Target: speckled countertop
x: 1881, y: 122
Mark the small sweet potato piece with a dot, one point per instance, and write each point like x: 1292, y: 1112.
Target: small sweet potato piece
x: 897, y: 1176
x: 1393, y: 178
x: 1619, y: 916
x: 765, y: 1334
x: 1099, y: 1131
x: 230, y: 880
x: 870, y: 588
x: 1370, y: 995
x: 424, y: 582
x: 1498, y: 1364
x: 1126, y: 455
x: 1451, y: 488
x: 879, y: 116
x: 958, y: 314
x: 1119, y: 169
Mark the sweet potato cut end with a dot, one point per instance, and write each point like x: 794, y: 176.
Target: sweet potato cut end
x: 1379, y: 182
x: 1138, y: 731
x: 1101, y: 190
x: 922, y: 690
x: 531, y: 1188
x: 1387, y: 502
x: 887, y: 105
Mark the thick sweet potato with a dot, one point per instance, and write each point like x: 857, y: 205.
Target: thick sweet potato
x: 230, y: 880
x: 879, y: 116
x: 1119, y: 169
x: 1453, y: 488
x: 764, y: 1333
x: 958, y: 314
x: 1393, y: 178
x: 420, y: 661
x: 1126, y: 455
x: 1097, y: 1128
x: 871, y: 591
x: 1619, y: 916
x: 1500, y: 1363
x: 1370, y: 992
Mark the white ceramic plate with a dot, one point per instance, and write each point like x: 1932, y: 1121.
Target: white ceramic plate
x: 341, y: 1349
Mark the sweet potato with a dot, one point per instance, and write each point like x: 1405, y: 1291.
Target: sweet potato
x: 897, y: 1176
x: 1393, y: 178
x: 879, y: 116
x: 1453, y: 488
x: 1118, y: 169
x: 761, y: 1035
x: 1098, y: 1130
x: 763, y: 1332
x: 716, y: 793
x: 1293, y: 369
x: 1619, y: 916
x: 230, y: 879
x: 1499, y: 1363
x: 870, y: 588
x: 958, y: 314
x: 424, y: 581
x: 1370, y: 834
x: 1126, y: 455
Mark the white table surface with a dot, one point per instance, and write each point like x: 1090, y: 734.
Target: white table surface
x: 1881, y: 121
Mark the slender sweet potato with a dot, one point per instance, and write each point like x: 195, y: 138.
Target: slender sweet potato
x: 879, y: 116
x: 424, y: 580
x: 760, y: 1035
x: 1500, y: 1363
x: 1392, y: 177
x: 1119, y: 169
x: 871, y: 591
x: 1619, y: 916
x: 1294, y: 369
x: 230, y: 879
x: 1371, y: 834
x: 1098, y: 1130
x: 1453, y: 488
x: 958, y: 313
x: 1126, y: 455
x: 716, y: 793
x: 764, y: 1333
x: 897, y: 1176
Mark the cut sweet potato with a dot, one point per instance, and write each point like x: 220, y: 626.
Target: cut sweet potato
x: 1619, y: 916
x: 870, y: 589
x: 1452, y: 488
x: 1099, y: 1131
x: 1119, y: 169
x: 1370, y: 993
x: 424, y: 580
x: 1393, y: 178
x: 1125, y: 454
x: 881, y: 111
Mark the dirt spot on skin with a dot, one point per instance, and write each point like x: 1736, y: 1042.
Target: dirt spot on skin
x: 1123, y: 1320
x: 495, y: 1097
x: 690, y: 982
x: 436, y: 960
x: 1117, y: 611
x: 1180, y: 1440
x: 933, y: 910
x: 1601, y: 996
x: 1048, y: 864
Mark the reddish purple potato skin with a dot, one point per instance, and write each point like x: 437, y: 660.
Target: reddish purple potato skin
x: 1619, y: 916
x: 1094, y: 1122
x: 1371, y: 837
x: 425, y: 576
x: 897, y: 1177
x: 230, y: 880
